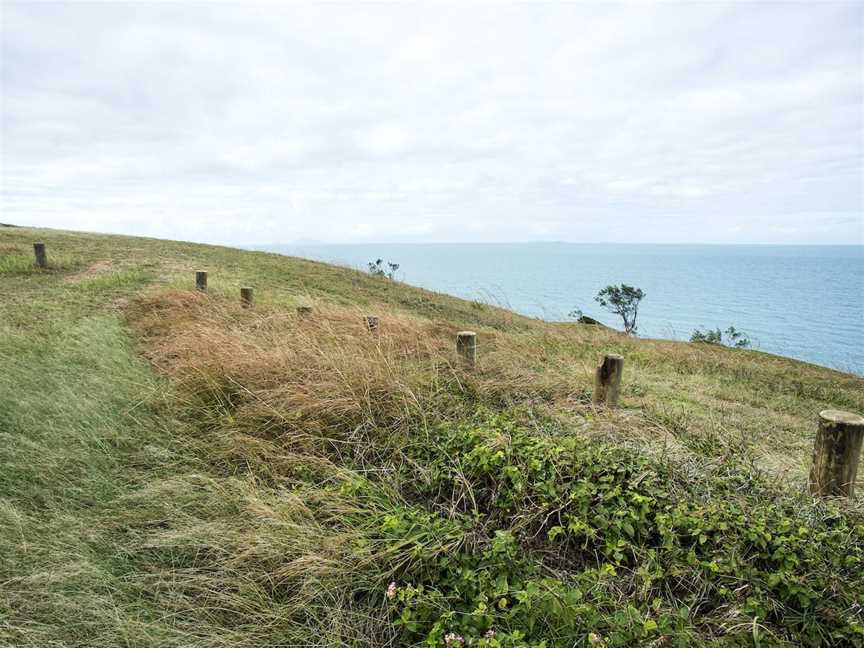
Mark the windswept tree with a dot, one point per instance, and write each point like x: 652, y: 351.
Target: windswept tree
x: 622, y: 300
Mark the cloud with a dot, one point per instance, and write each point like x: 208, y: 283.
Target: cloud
x: 267, y: 123
x: 386, y: 139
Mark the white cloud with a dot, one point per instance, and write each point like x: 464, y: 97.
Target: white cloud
x: 386, y: 139
x: 264, y: 123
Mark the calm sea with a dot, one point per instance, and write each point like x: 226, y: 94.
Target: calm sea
x: 806, y: 302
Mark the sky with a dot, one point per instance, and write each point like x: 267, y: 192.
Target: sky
x: 253, y: 124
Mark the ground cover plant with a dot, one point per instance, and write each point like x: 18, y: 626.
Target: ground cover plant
x: 183, y: 471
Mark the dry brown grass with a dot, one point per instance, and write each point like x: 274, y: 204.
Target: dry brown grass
x: 294, y: 396
x: 290, y: 395
x: 321, y: 376
x: 270, y: 385
x: 328, y: 376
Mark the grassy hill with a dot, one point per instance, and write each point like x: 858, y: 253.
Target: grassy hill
x: 180, y: 471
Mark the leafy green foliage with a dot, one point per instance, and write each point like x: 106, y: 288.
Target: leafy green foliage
x: 566, y: 537
x: 733, y: 337
x: 707, y: 337
x: 622, y: 300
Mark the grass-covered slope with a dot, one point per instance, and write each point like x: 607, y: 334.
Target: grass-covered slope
x: 179, y: 471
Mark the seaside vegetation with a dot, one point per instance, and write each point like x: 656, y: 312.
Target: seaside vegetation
x: 378, y: 269
x: 181, y: 471
x: 730, y: 337
x: 621, y: 300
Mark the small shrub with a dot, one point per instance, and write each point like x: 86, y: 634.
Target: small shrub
x: 736, y: 338
x: 707, y: 337
x: 730, y: 337
x: 377, y: 269
x: 580, y: 317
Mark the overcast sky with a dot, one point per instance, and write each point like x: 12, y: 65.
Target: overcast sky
x: 240, y: 124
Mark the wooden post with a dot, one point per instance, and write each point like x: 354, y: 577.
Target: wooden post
x: 41, y: 255
x: 247, y: 297
x: 466, y: 347
x: 836, y: 452
x: 304, y: 311
x: 201, y: 280
x: 607, y: 380
x: 372, y: 323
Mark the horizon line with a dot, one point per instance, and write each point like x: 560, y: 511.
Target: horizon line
x: 553, y: 242
x: 311, y: 242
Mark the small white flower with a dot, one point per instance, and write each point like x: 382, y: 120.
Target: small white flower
x: 391, y: 591
x: 453, y: 640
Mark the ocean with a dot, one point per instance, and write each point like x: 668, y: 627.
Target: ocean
x: 805, y: 302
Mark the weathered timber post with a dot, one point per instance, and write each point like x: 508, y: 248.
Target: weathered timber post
x: 836, y: 452
x: 201, y: 280
x: 247, y: 297
x: 41, y: 255
x: 372, y: 323
x: 304, y: 311
x: 466, y: 347
x: 607, y: 380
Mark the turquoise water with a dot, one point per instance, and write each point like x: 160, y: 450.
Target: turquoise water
x: 806, y: 302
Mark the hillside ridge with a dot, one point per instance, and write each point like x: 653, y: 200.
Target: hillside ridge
x: 186, y: 471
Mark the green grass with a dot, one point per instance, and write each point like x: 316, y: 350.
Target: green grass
x: 177, y: 471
